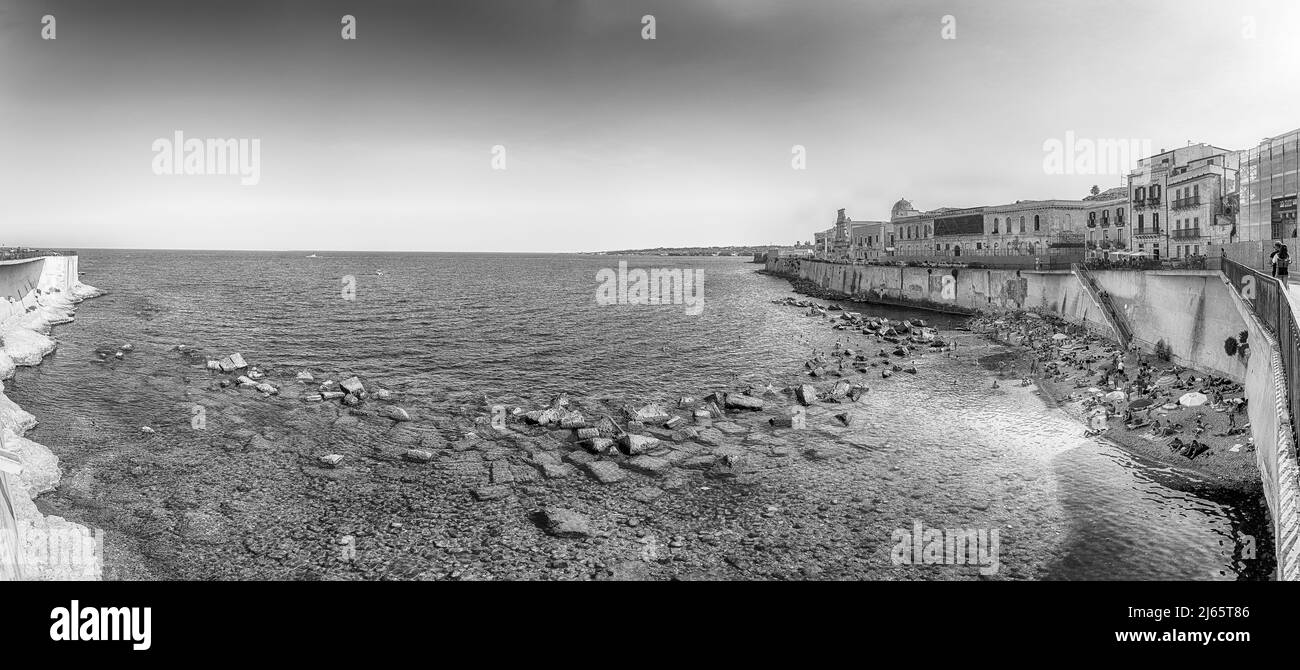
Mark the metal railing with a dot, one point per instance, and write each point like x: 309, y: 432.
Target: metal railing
x: 1182, y: 233
x: 1181, y: 203
x: 1147, y: 263
x: 17, y: 254
x: 1268, y: 300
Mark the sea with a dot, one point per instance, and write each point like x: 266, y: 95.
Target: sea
x: 451, y: 334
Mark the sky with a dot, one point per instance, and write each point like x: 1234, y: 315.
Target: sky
x: 610, y: 141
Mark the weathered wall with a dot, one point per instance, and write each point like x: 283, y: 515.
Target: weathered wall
x: 1192, y: 311
x: 1275, y: 449
x: 1189, y: 310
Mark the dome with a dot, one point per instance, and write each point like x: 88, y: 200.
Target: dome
x: 902, y: 208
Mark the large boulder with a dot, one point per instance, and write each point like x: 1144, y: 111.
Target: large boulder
x: 807, y: 394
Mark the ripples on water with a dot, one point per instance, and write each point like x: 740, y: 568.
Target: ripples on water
x: 520, y: 328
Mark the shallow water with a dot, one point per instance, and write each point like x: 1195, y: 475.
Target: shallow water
x: 445, y: 330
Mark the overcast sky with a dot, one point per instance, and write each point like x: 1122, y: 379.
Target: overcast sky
x: 611, y: 141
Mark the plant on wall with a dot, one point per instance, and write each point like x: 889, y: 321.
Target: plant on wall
x: 1230, y: 346
x: 1163, y: 351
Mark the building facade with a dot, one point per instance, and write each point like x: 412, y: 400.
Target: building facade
x: 1179, y: 202
x: 1034, y: 227
x: 1268, y: 187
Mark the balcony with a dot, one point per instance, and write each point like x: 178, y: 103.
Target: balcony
x: 1153, y: 201
x: 1147, y: 232
x: 1187, y: 233
x: 1184, y: 203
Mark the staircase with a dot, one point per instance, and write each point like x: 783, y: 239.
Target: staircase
x: 1108, y: 311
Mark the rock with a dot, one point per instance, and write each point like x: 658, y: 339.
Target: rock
x: 807, y: 394
x: 556, y: 470
x: 331, y: 395
x: 736, y: 401
x: 587, y: 433
x: 267, y: 388
x: 599, y: 445
x: 396, y: 413
x: 352, y: 385
x: 730, y: 428
x: 351, y: 400
x: 651, y: 414
x: 226, y: 365
x: 637, y: 444
x: 841, y: 389
x: 635, y: 427
x: 605, y: 472
x: 214, y: 365
x: 561, y: 522
x: 383, y: 394
x: 649, y: 465
x: 305, y: 377
x: 418, y: 455
x: 119, y: 354
x: 646, y: 494
x: 237, y: 360
x: 844, y: 418
x: 544, y: 417
x: 332, y: 460
x: 146, y: 430
x: 712, y: 437
x: 571, y: 419
x: 702, y: 417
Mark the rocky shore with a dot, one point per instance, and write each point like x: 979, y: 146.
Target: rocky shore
x: 50, y: 547
x: 1174, y: 415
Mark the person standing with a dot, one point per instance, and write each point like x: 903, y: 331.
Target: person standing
x: 1280, y: 259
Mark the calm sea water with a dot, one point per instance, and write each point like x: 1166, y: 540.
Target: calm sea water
x: 442, y: 330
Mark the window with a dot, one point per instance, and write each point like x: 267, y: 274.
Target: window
x: 1022, y: 224
x: 1035, y: 223
x: 1155, y: 222
x: 1139, y: 193
x: 995, y: 225
x: 979, y: 245
x: 1140, y: 222
x: 1119, y: 216
x: 1196, y: 222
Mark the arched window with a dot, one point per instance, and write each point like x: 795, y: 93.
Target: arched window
x: 1022, y: 224
x: 995, y: 225
x: 1035, y: 223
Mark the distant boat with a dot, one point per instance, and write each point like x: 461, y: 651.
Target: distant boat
x: 313, y: 256
x: 379, y: 272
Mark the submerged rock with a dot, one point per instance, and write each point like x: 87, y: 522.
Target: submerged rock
x: 396, y: 413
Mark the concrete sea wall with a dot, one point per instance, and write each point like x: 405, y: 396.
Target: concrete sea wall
x: 35, y: 294
x: 1191, y: 311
